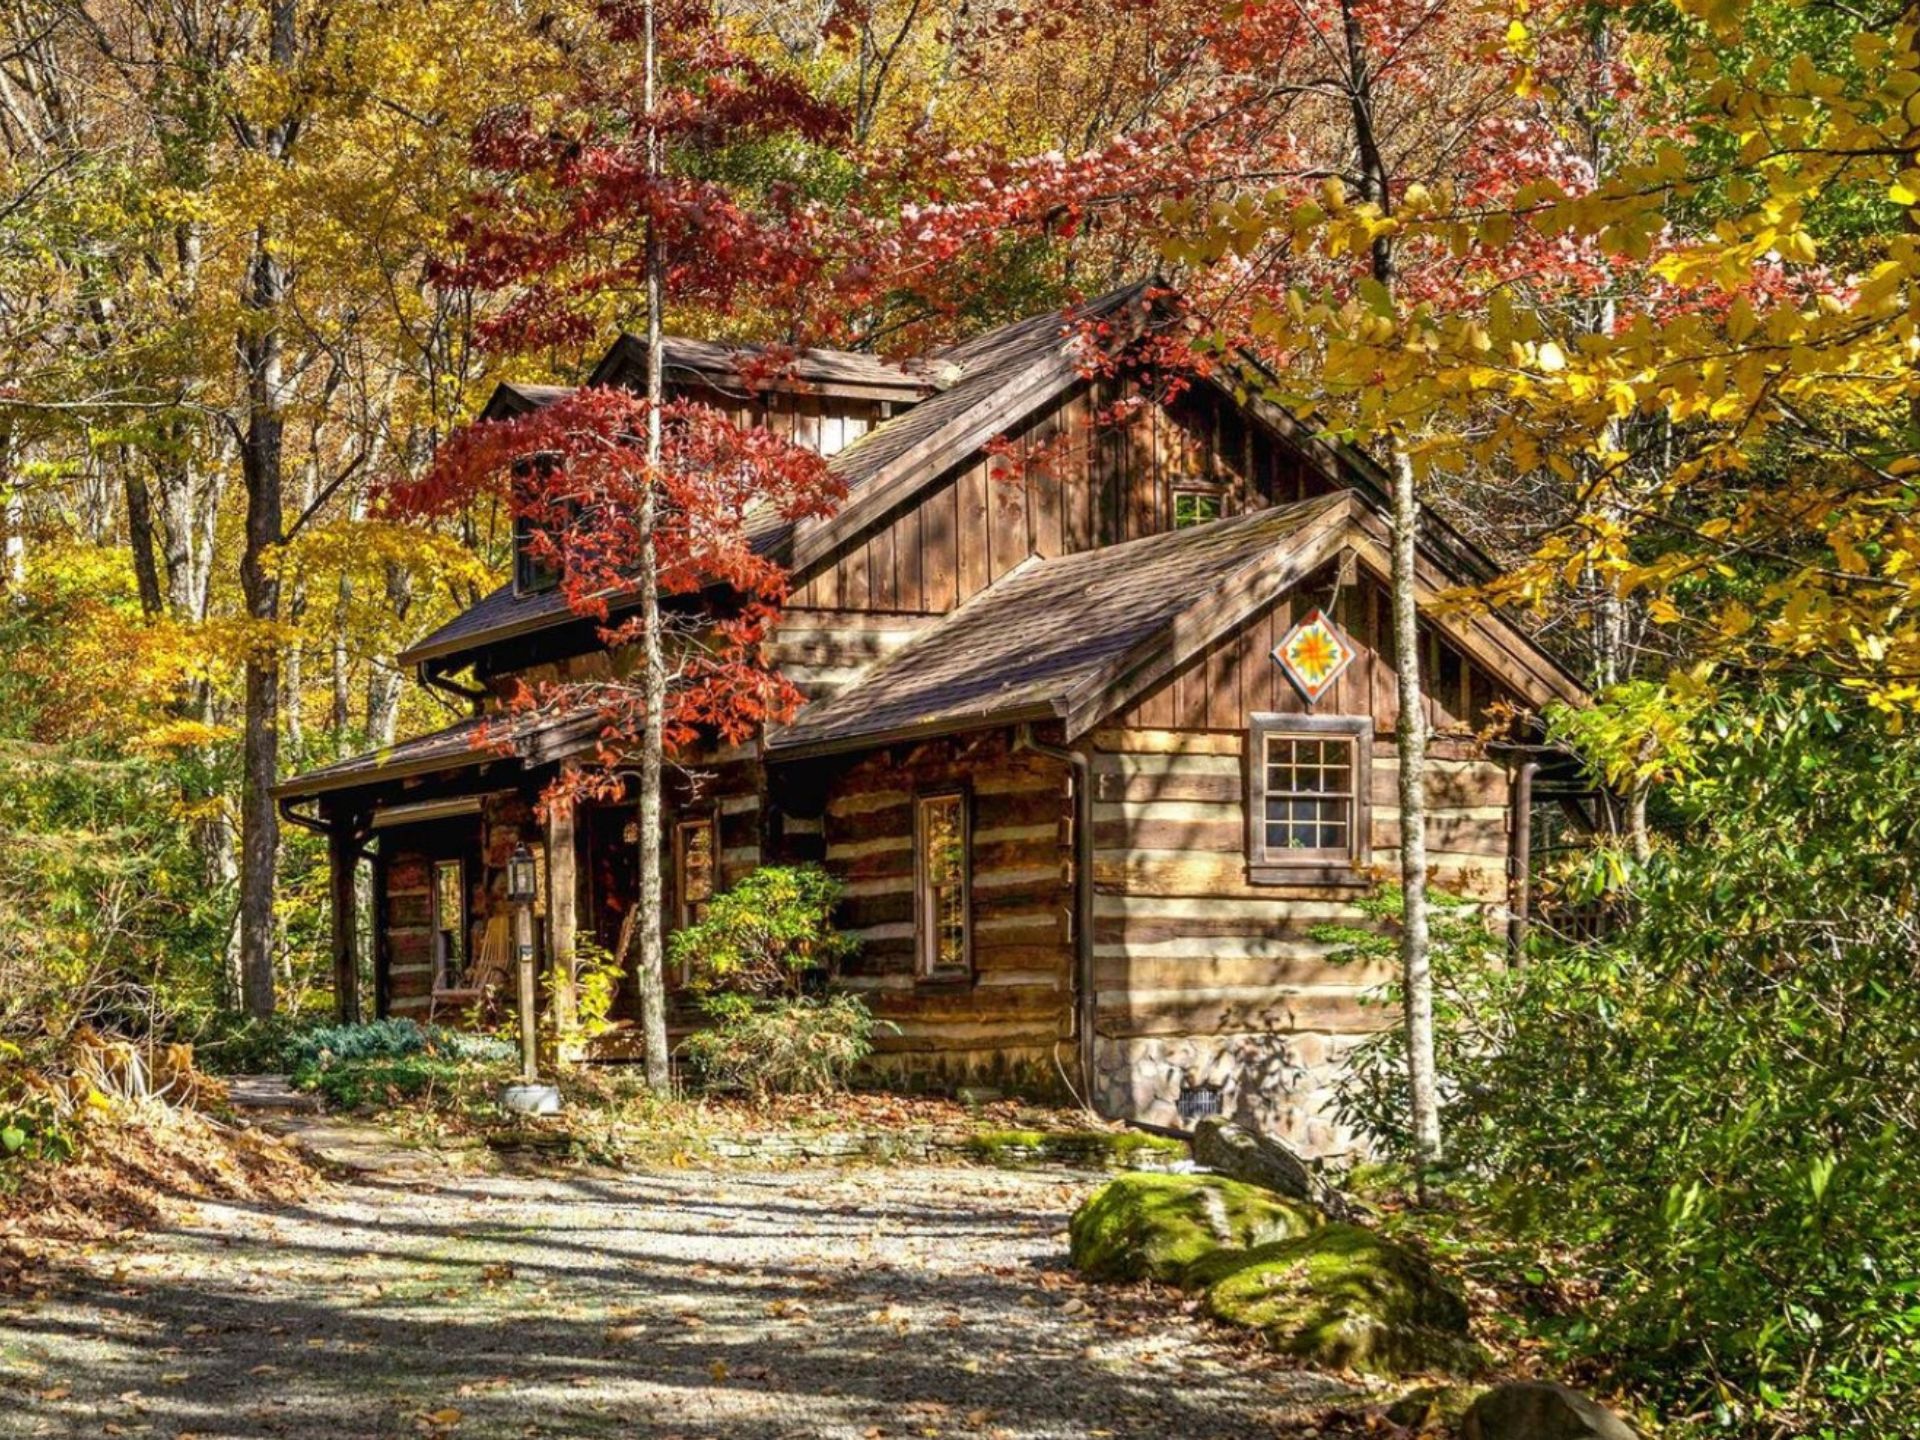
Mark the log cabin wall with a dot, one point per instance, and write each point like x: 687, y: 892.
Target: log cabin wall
x: 1004, y: 1020
x: 1208, y: 980
x: 1099, y: 467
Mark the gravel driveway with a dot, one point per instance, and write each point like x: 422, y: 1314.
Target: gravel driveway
x: 863, y: 1302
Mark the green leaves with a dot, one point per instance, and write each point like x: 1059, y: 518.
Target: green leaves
x: 1707, y: 1119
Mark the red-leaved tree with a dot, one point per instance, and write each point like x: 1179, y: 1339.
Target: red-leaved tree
x: 676, y: 171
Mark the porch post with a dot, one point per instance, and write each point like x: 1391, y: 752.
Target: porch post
x: 562, y: 926
x: 341, y: 858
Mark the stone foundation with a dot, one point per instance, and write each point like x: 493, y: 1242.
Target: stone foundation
x: 1280, y: 1084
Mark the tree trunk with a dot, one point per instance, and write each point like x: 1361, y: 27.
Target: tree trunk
x: 262, y: 467
x: 1416, y: 969
x: 650, y: 981
x: 146, y: 570
x: 261, y: 458
x: 13, y: 540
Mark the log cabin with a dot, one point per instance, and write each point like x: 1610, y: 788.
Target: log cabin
x: 1093, y: 744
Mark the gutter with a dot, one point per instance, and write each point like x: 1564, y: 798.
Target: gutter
x: 1085, y: 995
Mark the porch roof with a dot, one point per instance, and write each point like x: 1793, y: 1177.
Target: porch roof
x: 528, y: 739
x: 1078, y: 637
x: 1054, y: 631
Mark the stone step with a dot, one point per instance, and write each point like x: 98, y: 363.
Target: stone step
x: 270, y: 1095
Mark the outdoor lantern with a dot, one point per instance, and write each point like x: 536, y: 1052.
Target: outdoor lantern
x: 522, y: 883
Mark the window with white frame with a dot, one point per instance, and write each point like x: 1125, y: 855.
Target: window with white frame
x: 1308, y: 802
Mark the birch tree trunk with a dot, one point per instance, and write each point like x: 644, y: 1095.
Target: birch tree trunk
x: 1410, y: 731
x: 650, y: 981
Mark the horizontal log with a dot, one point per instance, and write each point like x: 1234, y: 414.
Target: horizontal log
x: 1450, y: 786
x: 1222, y: 836
x: 1119, y: 975
x: 1172, y: 786
x: 1451, y: 834
x: 1169, y: 742
x: 1128, y: 765
x: 1168, y: 873
x: 1236, y: 1008
x: 1263, y: 908
x: 998, y: 1040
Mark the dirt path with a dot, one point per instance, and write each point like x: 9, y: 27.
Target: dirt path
x: 861, y: 1303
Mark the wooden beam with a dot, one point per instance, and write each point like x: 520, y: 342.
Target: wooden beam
x: 342, y: 857
x: 563, y: 928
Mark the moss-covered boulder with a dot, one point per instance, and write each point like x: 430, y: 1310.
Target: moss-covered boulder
x: 1342, y: 1296
x: 1147, y: 1226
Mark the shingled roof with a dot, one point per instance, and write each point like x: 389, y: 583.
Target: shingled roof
x: 479, y: 739
x: 985, y: 385
x: 1054, y: 633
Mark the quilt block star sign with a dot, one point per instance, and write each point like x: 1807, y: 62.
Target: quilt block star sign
x: 1313, y: 655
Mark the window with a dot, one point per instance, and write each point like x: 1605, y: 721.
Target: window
x: 533, y: 572
x: 1196, y: 507
x: 693, y: 870
x: 1308, y: 778
x: 449, y: 923
x: 940, y: 868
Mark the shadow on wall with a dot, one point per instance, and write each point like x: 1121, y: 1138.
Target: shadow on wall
x: 1283, y: 1083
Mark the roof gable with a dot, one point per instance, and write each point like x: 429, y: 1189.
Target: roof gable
x: 1079, y: 637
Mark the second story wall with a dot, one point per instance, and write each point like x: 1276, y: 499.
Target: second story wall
x: 1101, y: 466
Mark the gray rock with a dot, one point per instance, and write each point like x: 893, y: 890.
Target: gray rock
x: 1242, y: 1154
x: 1540, y: 1410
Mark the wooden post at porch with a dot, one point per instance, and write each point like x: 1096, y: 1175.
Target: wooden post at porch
x: 342, y: 857
x: 563, y: 890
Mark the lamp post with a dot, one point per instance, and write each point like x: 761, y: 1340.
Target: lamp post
x: 522, y: 886
x: 528, y: 1095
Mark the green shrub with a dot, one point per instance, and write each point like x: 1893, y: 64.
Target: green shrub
x: 765, y: 936
x: 751, y: 959
x: 32, y: 1128
x: 388, y: 1079
x: 1463, y: 950
x: 387, y: 1040
x: 1708, y: 1124
x: 801, y: 1045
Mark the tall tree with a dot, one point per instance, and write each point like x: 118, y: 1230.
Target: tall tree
x: 715, y: 160
x: 262, y: 464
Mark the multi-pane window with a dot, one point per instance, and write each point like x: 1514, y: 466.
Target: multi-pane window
x: 1195, y: 507
x: 449, y: 922
x: 1309, y: 794
x: 694, y: 867
x: 1308, y: 778
x: 940, y: 863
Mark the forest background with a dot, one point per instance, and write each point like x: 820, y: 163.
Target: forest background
x: 1628, y: 289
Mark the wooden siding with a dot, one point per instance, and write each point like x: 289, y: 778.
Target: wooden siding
x: 1095, y: 469
x: 1206, y: 978
x: 1236, y: 677
x: 826, y: 424
x: 1007, y: 1018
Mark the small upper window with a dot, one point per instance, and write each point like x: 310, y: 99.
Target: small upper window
x: 1309, y: 779
x: 1196, y: 507
x: 533, y: 571
x: 940, y: 866
x: 535, y: 567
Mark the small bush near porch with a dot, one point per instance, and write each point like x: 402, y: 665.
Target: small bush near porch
x: 759, y: 960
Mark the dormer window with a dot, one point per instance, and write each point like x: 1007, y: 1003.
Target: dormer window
x: 1196, y: 505
x: 536, y: 568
